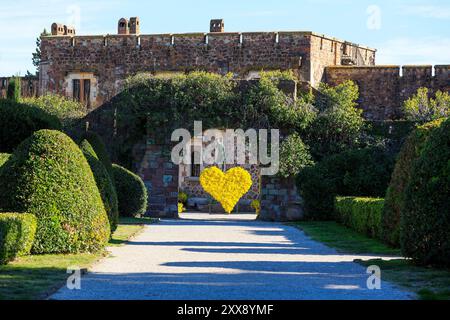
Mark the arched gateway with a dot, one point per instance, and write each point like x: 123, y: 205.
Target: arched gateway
x: 137, y: 143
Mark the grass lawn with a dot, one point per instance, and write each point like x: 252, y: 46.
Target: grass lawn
x: 429, y: 283
x: 35, y: 277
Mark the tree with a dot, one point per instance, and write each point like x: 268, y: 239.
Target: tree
x: 423, y: 108
x: 37, y: 55
x: 14, y: 89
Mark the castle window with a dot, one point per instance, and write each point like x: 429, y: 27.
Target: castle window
x: 195, y: 167
x: 76, y: 90
x: 82, y: 91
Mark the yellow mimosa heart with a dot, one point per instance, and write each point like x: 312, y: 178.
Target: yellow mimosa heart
x: 226, y: 188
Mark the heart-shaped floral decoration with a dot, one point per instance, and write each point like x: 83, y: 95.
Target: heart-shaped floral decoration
x: 226, y: 188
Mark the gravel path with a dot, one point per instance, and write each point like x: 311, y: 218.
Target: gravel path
x: 227, y: 259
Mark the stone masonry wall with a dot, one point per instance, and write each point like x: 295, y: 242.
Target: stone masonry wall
x: 383, y: 90
x: 113, y: 58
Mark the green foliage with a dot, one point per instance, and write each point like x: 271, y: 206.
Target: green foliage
x: 395, y: 196
x: 19, y: 121
x: 339, y: 124
x: 3, y: 158
x: 361, y: 214
x: 154, y: 106
x: 66, y: 110
x: 99, y: 147
x: 318, y: 192
x: 294, y: 156
x: 14, y: 89
x: 362, y: 172
x: 36, y: 59
x: 17, y: 231
x: 104, y: 183
x: 420, y: 107
x: 131, y: 192
x: 183, y: 197
x: 425, y: 217
x: 49, y: 177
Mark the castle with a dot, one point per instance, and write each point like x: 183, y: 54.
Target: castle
x: 92, y: 70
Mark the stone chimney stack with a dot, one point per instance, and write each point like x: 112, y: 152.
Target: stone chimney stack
x: 122, y: 27
x: 217, y: 25
x: 135, y: 27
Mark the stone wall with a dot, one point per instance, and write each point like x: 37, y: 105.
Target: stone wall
x: 153, y: 164
x: 383, y: 89
x: 280, y: 200
x: 29, y: 86
x: 113, y: 58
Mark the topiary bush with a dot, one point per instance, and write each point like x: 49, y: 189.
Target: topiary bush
x: 100, y: 150
x: 395, y: 195
x: 17, y: 231
x: 425, y: 216
x: 104, y: 183
x: 49, y: 177
x: 361, y: 214
x: 18, y: 121
x: 131, y: 192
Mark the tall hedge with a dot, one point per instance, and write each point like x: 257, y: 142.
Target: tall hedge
x: 17, y: 231
x: 14, y: 89
x: 131, y: 192
x: 395, y: 195
x: 361, y: 172
x: 425, y: 217
x: 49, y: 177
x: 19, y: 121
x: 104, y: 184
x: 100, y: 150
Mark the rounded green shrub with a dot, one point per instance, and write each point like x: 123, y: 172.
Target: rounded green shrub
x: 395, y: 195
x: 18, y: 121
x: 131, y: 192
x: 17, y: 231
x: 425, y: 216
x: 100, y: 150
x: 104, y: 183
x: 49, y: 177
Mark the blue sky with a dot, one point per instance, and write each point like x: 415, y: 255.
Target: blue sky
x: 404, y: 32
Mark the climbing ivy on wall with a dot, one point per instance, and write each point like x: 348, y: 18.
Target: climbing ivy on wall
x: 152, y: 106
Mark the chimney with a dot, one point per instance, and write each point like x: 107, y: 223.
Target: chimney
x: 122, y: 27
x: 135, y: 27
x: 217, y: 25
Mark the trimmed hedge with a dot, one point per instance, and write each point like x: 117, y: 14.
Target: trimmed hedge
x: 361, y: 214
x: 100, y: 150
x: 18, y: 121
x: 361, y: 172
x: 17, y: 231
x: 425, y: 217
x: 131, y: 192
x: 395, y: 195
x: 104, y: 183
x: 50, y: 177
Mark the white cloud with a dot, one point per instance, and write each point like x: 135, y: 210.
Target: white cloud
x: 427, y: 11
x: 427, y: 50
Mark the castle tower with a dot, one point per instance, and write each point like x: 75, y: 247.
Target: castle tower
x: 122, y: 27
x: 217, y: 25
x: 135, y: 27
x: 69, y: 30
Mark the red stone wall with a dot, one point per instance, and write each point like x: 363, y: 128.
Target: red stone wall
x: 383, y: 90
